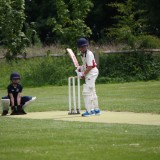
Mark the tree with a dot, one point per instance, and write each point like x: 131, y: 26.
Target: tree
x: 132, y: 26
x: 100, y: 18
x: 45, y: 15
x: 69, y: 22
x: 12, y: 18
x: 153, y: 16
x: 129, y: 24
x: 37, y: 13
x: 97, y: 19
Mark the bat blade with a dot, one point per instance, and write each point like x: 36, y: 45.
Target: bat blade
x: 73, y: 57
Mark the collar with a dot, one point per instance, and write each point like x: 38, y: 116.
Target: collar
x: 84, y: 53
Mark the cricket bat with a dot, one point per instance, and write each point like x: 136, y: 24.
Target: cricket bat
x: 73, y: 57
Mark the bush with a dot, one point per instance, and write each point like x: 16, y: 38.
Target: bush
x: 148, y: 41
x: 129, y: 67
x: 49, y: 71
x: 56, y: 70
x: 39, y: 71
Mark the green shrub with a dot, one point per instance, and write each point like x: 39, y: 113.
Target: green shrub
x: 49, y: 71
x: 148, y: 41
x: 38, y: 71
x: 129, y: 67
x: 56, y: 70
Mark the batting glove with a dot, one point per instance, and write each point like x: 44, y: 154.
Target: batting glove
x: 80, y: 74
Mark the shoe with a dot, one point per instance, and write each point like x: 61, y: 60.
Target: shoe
x: 4, y: 113
x: 14, y: 112
x: 21, y: 112
x: 92, y: 113
x: 97, y: 111
x: 86, y: 114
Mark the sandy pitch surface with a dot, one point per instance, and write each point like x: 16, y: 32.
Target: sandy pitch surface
x: 105, y: 117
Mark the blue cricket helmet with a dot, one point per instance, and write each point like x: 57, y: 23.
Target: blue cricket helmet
x: 82, y: 42
x: 14, y: 75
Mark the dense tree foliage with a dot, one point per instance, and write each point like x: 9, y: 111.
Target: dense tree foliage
x: 153, y: 16
x: 100, y: 18
x: 130, y: 23
x: 65, y: 20
x: 68, y: 23
x: 133, y: 26
x: 139, y: 16
x: 37, y: 13
x: 59, y: 20
x: 12, y: 18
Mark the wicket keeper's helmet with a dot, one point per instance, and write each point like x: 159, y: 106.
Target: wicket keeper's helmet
x: 82, y: 42
x: 14, y: 75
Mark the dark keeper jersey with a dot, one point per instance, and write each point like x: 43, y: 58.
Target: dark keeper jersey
x: 14, y: 90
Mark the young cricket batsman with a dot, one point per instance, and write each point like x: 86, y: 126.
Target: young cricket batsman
x: 14, y: 98
x: 89, y: 72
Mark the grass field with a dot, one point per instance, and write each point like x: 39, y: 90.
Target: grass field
x: 135, y: 97
x: 49, y: 139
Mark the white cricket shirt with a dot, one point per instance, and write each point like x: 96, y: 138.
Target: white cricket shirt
x: 89, y: 60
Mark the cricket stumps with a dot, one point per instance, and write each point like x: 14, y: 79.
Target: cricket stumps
x: 74, y: 98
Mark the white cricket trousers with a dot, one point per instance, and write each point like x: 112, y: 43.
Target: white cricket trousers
x: 89, y: 91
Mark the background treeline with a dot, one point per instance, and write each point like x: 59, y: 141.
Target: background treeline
x: 25, y: 23
x: 131, y: 17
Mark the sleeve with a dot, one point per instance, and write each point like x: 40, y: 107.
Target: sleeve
x: 90, y: 59
x: 9, y: 89
x: 20, y: 88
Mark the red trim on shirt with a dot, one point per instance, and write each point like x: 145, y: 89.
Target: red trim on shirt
x: 93, y: 64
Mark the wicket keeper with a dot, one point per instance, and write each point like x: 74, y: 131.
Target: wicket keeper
x: 14, y: 99
x: 89, y: 72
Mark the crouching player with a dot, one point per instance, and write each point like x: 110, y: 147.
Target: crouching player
x: 15, y: 100
x: 89, y: 72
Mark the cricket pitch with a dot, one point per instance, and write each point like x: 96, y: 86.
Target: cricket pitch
x: 105, y: 117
